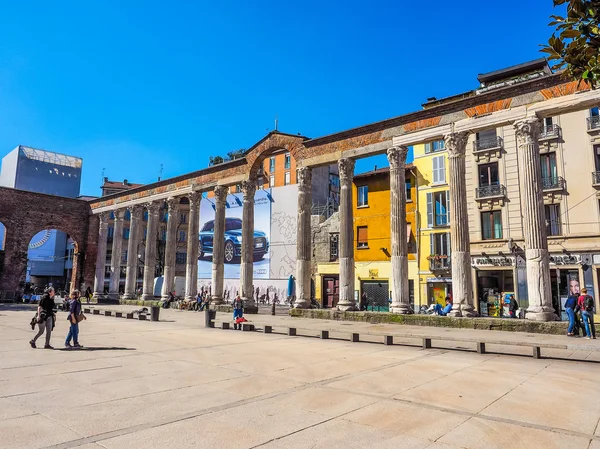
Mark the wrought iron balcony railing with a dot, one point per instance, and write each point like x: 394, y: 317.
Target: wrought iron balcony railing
x: 496, y: 190
x: 489, y: 143
x: 553, y: 183
x: 439, y: 263
x: 596, y: 178
x: 550, y: 132
x: 593, y: 123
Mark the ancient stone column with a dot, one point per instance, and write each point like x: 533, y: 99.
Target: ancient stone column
x: 218, y: 257
x: 193, y: 243
x: 247, y: 265
x: 150, y: 252
x: 346, y: 242
x: 170, y: 247
x: 101, y: 256
x: 135, y: 224
x: 534, y: 226
x: 303, y: 239
x: 400, y: 293
x: 460, y: 242
x: 115, y: 260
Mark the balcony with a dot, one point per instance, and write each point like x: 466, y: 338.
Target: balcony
x: 487, y: 148
x: 553, y: 183
x: 596, y: 178
x: 491, y: 191
x: 550, y: 132
x: 593, y: 123
x: 439, y: 262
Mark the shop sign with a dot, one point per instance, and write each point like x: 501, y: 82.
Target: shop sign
x: 446, y: 280
x: 565, y: 259
x: 500, y: 261
x: 374, y: 273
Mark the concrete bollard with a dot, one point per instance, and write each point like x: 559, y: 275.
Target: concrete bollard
x: 324, y: 335
x: 537, y: 352
x: 119, y: 314
x: 388, y: 340
x: 427, y: 343
x: 480, y: 347
x: 225, y: 325
x: 141, y: 317
x: 247, y: 327
x: 96, y: 312
x: 268, y: 329
x: 107, y: 313
x: 355, y: 338
x: 292, y: 331
x: 130, y: 316
x: 87, y: 310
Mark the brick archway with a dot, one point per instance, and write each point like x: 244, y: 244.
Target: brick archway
x: 272, y: 142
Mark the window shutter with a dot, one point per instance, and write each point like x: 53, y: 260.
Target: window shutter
x: 448, y: 206
x: 431, y: 244
x: 362, y: 234
x: 429, y: 210
x: 442, y: 168
x: 448, y: 245
x: 428, y: 148
x: 435, y: 170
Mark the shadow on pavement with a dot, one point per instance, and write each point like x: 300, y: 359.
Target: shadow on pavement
x: 96, y: 348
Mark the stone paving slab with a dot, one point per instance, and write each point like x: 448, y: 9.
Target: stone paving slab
x: 175, y: 384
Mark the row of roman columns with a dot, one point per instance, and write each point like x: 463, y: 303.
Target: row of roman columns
x: 527, y: 132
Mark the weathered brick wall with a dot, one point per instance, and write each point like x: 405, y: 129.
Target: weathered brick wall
x: 24, y: 214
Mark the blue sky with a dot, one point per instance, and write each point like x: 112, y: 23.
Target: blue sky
x: 128, y: 85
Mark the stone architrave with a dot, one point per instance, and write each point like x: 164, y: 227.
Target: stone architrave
x: 150, y: 251
x: 117, y: 250
x: 400, y: 293
x: 131, y: 273
x: 218, y: 258
x: 460, y: 242
x: 101, y: 256
x: 303, y: 244
x: 346, y: 240
x: 534, y: 226
x: 168, y: 285
x: 191, y: 267
x: 247, y: 263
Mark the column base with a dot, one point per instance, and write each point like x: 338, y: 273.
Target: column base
x: 113, y: 296
x: 216, y: 300
x: 129, y: 296
x: 346, y: 307
x: 402, y: 309
x: 469, y: 311
x: 302, y: 303
x: 148, y: 297
x: 539, y: 314
x: 98, y: 296
x: 164, y: 297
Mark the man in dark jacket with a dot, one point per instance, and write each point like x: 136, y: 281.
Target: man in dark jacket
x: 45, y: 317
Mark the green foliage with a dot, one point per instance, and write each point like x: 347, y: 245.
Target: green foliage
x: 232, y: 155
x: 575, y: 44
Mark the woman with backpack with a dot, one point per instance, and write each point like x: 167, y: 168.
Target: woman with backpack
x: 586, y: 302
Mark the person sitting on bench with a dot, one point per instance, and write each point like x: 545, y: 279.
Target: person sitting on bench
x: 438, y: 310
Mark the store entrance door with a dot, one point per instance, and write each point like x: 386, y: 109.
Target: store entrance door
x: 377, y: 293
x: 331, y: 291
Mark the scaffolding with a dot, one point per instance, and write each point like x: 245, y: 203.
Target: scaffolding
x: 50, y: 157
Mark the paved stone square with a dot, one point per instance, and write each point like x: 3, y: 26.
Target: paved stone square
x: 174, y: 384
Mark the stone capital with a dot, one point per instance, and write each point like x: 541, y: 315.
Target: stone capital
x: 456, y: 144
x: 135, y: 212
x: 249, y: 188
x: 104, y: 216
x: 346, y: 168
x: 195, y: 198
x: 527, y: 130
x: 153, y: 207
x: 221, y: 194
x: 304, y: 176
x: 172, y: 204
x: 397, y: 157
x: 119, y: 214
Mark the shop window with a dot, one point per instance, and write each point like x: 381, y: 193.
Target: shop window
x: 488, y: 175
x: 439, y: 169
x: 288, y: 161
x: 438, y: 209
x: 334, y: 247
x: 363, y: 196
x: 434, y: 146
x: 287, y: 179
x: 552, y: 212
x: 180, y: 258
x: 491, y: 225
x: 272, y: 165
x: 362, y: 237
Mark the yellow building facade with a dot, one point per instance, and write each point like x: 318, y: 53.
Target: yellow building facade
x: 433, y: 222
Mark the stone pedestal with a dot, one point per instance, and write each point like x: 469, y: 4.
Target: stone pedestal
x: 135, y: 225
x: 346, y: 241
x: 115, y: 261
x: 170, y: 248
x: 218, y: 267
x: 101, y: 256
x: 534, y: 225
x: 462, y: 282
x: 247, y: 262
x: 191, y: 267
x: 399, y: 284
x: 303, y: 242
x: 150, y: 251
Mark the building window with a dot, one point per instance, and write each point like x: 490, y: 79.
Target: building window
x: 180, y: 258
x: 438, y: 209
x: 439, y: 169
x: 437, y: 145
x: 363, y: 196
x: 288, y: 161
x: 334, y: 240
x: 491, y: 225
x: 272, y: 165
x: 362, y: 237
x: 163, y: 235
x: 595, y: 112
x: 182, y: 236
x: 127, y: 215
x: 549, y: 169
x: 110, y: 232
x: 272, y: 181
x: 488, y: 175
x: 439, y: 244
x: 408, y: 189
x: 145, y: 215
x: 552, y: 212
x: 287, y: 179
x: 183, y: 219
x: 126, y: 232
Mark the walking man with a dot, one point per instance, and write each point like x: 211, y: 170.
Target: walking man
x: 45, y: 318
x: 586, y: 302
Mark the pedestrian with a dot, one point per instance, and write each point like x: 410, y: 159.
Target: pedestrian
x: 45, y: 317
x: 437, y: 308
x: 570, y: 305
x: 88, y: 294
x: 586, y: 302
x: 238, y: 309
x: 364, y: 301
x: 513, y: 306
x: 75, y: 316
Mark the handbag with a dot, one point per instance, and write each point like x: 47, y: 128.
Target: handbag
x: 80, y: 317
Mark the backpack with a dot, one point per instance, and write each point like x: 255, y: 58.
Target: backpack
x: 588, y: 303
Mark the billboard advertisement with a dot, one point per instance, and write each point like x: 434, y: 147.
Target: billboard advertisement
x: 233, y: 235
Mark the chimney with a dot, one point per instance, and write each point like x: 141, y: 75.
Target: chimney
x: 375, y: 169
x: 124, y: 182
x: 105, y: 180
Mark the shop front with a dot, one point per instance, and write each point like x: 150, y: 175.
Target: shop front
x: 494, y: 281
x: 437, y: 290
x: 569, y: 273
